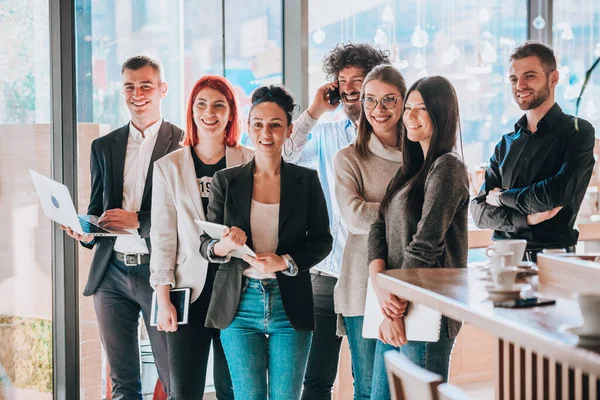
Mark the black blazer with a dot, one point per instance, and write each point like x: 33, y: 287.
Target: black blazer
x: 107, y: 163
x: 303, y: 234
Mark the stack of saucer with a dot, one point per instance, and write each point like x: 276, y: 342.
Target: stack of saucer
x: 513, y: 291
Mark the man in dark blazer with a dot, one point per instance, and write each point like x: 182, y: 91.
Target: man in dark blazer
x: 121, y: 167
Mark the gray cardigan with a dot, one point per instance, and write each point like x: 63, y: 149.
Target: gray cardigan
x: 360, y: 185
x: 438, y: 238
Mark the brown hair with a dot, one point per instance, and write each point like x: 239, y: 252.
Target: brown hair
x: 539, y: 50
x: 140, y: 61
x: 391, y: 76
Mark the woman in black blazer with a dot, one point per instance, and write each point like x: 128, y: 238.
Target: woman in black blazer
x: 264, y: 304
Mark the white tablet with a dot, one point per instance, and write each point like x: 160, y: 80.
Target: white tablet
x: 214, y: 231
x: 180, y: 297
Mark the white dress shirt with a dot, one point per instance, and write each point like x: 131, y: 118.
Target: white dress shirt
x: 137, y: 161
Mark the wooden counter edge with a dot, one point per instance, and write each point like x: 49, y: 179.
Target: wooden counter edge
x: 574, y: 356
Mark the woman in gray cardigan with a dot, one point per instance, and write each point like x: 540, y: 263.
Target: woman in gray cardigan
x: 423, y: 219
x: 363, y: 171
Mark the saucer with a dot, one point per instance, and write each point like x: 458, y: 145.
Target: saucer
x: 527, y: 264
x: 516, y: 288
x: 585, y: 338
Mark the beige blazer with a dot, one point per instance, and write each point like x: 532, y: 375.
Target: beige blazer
x: 174, y: 235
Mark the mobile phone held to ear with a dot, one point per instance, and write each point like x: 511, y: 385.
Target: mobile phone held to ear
x: 334, y: 96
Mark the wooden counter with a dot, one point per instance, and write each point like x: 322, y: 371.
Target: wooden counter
x: 530, y: 339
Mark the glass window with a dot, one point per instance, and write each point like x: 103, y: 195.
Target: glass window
x: 468, y: 42
x: 576, y: 41
x: 25, y: 237
x: 253, y: 47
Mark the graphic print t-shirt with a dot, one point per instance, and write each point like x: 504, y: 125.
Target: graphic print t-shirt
x: 204, y: 175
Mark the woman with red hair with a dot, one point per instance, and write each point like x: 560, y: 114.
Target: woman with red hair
x: 181, y: 186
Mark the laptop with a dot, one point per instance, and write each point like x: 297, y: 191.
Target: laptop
x: 58, y: 206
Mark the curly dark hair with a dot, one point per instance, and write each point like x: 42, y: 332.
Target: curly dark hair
x: 361, y: 55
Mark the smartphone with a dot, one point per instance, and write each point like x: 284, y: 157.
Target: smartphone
x: 334, y: 96
x: 524, y: 303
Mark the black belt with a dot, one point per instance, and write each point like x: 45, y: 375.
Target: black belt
x: 132, y: 259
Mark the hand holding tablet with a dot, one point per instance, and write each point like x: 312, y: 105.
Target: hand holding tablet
x: 215, y: 231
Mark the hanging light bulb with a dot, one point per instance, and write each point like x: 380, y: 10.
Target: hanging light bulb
x: 597, y: 50
x: 451, y: 55
x: 388, y: 14
x: 380, y: 37
x: 539, y: 22
x: 504, y: 41
x: 319, y: 36
x: 590, y: 110
x: 567, y: 33
x: 504, y: 119
x: 422, y: 74
x: 571, y: 92
x: 484, y: 15
x: 564, y: 74
x: 419, y: 38
x: 398, y: 63
x: 489, y: 55
x: 420, y: 61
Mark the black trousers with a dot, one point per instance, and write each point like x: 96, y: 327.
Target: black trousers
x: 189, y: 348
x: 325, y: 348
x: 122, y: 294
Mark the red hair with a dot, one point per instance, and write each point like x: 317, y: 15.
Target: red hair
x: 222, y: 85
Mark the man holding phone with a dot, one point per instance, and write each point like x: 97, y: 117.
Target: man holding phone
x: 314, y: 144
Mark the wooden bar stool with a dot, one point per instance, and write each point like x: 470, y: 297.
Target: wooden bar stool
x: 411, y: 382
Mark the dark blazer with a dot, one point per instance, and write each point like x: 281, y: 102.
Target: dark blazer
x: 107, y: 163
x: 303, y: 234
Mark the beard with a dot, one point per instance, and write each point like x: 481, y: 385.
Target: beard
x: 537, y: 98
x: 353, y: 111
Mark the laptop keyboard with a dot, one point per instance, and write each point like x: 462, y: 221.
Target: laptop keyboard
x: 90, y: 228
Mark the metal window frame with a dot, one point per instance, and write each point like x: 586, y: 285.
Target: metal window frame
x: 295, y: 49
x: 65, y: 312
x: 543, y: 8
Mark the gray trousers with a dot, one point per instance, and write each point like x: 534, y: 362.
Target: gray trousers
x: 122, y: 294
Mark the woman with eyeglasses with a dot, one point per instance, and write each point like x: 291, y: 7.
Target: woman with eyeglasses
x: 363, y: 171
x: 264, y: 304
x: 182, y: 182
x: 423, y: 219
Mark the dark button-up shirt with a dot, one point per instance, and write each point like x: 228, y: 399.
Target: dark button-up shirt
x: 538, y: 172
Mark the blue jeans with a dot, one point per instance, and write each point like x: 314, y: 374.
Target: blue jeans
x: 266, y: 355
x: 433, y: 356
x: 362, y: 352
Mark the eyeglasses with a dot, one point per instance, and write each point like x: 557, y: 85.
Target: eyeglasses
x: 388, y: 102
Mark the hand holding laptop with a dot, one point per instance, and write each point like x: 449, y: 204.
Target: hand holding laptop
x: 77, y: 236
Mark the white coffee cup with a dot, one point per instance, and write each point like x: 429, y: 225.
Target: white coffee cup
x: 504, y: 278
x: 516, y: 246
x: 501, y: 260
x: 589, y: 304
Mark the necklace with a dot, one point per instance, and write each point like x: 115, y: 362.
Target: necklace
x: 207, y: 160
